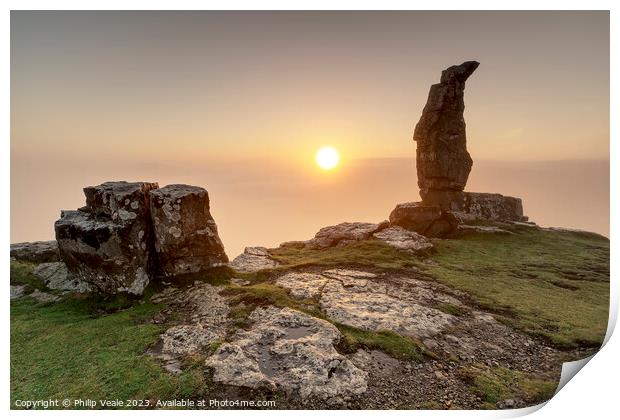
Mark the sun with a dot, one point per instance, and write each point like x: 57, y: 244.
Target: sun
x: 327, y: 157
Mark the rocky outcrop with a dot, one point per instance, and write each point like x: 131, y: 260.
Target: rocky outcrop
x: 131, y: 232
x: 35, y: 252
x: 186, y: 238
x: 108, y: 243
x: 443, y: 166
x: 291, y: 351
x: 443, y: 163
x: 253, y: 259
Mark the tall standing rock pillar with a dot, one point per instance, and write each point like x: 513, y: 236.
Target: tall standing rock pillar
x: 443, y: 163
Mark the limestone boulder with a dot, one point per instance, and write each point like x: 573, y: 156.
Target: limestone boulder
x: 35, y: 252
x: 108, y: 243
x: 186, y: 237
x: 253, y: 259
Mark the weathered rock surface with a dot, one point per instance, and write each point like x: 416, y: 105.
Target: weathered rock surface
x: 343, y: 234
x: 494, y: 207
x: 291, y: 351
x: 43, y: 297
x: 368, y: 305
x: 186, y: 238
x: 362, y: 300
x: 108, y: 242
x: 404, y: 239
x: 17, y: 291
x: 430, y: 221
x: 349, y: 233
x: 253, y: 259
x: 206, y: 318
x: 443, y: 163
x: 56, y: 276
x: 302, y: 285
x: 187, y: 339
x: 35, y: 252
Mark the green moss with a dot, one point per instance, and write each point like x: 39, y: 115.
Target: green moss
x: 67, y: 351
x: 499, y: 383
x: 396, y: 345
x: 22, y: 274
x: 264, y: 294
x: 370, y: 253
x: 549, y: 284
x: 451, y: 309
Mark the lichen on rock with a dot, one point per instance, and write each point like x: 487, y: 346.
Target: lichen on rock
x: 291, y: 351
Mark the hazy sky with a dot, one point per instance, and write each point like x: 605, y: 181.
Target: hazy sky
x: 202, y: 85
x: 238, y: 102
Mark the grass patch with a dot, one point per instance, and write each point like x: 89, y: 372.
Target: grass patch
x: 67, y: 351
x: 264, y: 294
x: 370, y: 253
x: 499, y: 383
x: 549, y: 284
x: 22, y: 274
x: 451, y: 309
x: 404, y: 348
x: 244, y: 299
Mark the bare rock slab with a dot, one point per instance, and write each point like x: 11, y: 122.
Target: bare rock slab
x: 186, y: 237
x: 368, y: 306
x: 291, y: 351
x: 56, y: 276
x: 253, y: 259
x: 108, y: 243
x: 35, y: 252
x: 302, y: 285
x: 362, y: 300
